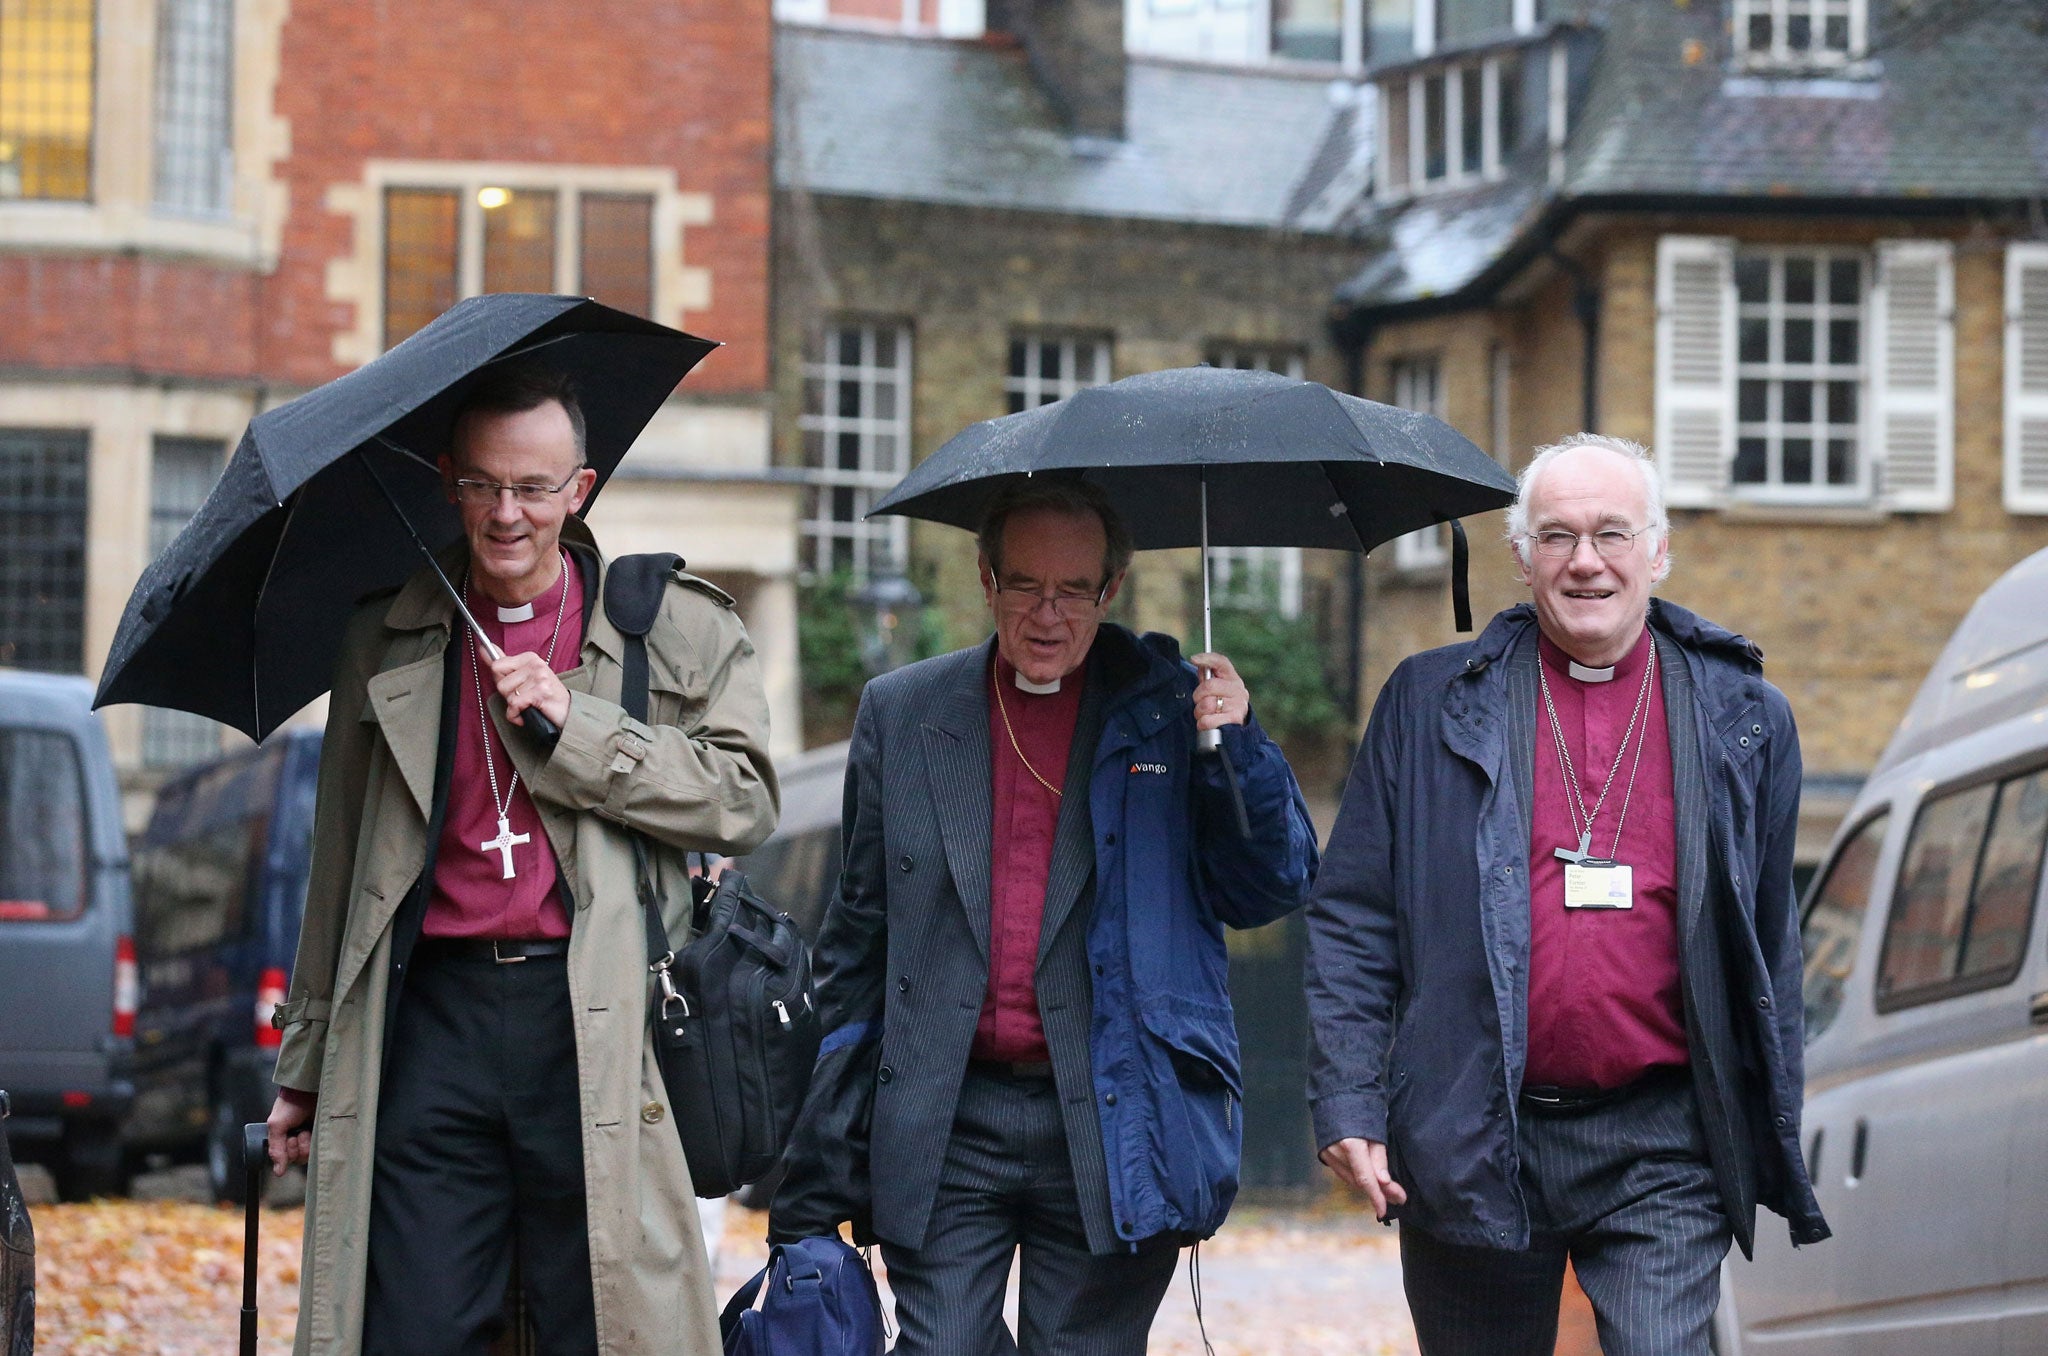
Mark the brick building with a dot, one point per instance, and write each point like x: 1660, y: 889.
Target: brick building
x: 207, y: 207
x: 1795, y: 246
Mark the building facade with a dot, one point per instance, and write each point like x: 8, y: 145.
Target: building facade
x: 210, y: 206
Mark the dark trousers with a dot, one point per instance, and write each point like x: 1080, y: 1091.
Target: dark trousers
x: 479, y: 1154
x: 1008, y: 1184
x: 1622, y: 1190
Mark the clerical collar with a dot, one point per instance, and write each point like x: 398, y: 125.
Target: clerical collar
x: 1035, y: 689
x: 1572, y: 666
x: 524, y: 612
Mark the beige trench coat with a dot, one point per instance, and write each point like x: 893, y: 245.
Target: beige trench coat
x: 699, y: 779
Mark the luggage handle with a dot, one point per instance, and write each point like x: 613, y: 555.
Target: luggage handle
x: 255, y: 1158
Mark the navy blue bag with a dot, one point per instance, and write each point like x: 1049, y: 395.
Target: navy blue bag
x: 817, y: 1298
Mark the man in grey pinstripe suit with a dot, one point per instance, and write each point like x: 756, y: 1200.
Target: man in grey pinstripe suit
x: 1554, y: 962
x: 1022, y: 980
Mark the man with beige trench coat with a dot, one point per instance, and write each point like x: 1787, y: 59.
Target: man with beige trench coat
x: 443, y: 973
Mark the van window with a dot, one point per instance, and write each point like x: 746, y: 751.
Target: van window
x: 1834, y: 919
x: 1965, y: 897
x: 42, y: 827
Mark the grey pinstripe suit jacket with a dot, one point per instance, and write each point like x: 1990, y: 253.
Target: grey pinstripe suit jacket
x: 907, y: 940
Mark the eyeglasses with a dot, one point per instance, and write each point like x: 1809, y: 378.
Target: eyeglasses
x: 1608, y: 541
x: 1067, y: 606
x: 484, y: 493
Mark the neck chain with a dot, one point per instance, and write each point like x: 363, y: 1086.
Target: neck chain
x: 1575, y: 805
x: 995, y: 680
x: 506, y: 839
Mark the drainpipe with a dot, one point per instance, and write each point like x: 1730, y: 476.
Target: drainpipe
x: 1585, y: 306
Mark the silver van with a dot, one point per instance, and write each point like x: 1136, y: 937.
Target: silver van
x: 67, y: 957
x: 1927, y: 1029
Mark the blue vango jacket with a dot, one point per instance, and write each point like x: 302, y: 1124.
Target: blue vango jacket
x: 1171, y: 868
x: 1419, y: 931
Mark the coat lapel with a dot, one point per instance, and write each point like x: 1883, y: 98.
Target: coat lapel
x: 957, y: 769
x: 406, y: 703
x: 1073, y: 844
x: 1688, y: 784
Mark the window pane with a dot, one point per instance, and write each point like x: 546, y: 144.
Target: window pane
x: 1753, y: 404
x: 1462, y: 21
x: 1798, y: 402
x: 1833, y: 922
x: 1798, y: 341
x: 1308, y: 29
x: 519, y: 243
x: 1845, y: 282
x: 1798, y: 460
x: 2009, y: 879
x: 1755, y: 341
x: 1923, y: 935
x: 616, y: 250
x: 46, y: 99
x: 419, y: 258
x: 1837, y: 35
x: 1391, y: 30
x: 1752, y: 463
x: 1799, y: 32
x: 1843, y: 336
x: 1841, y: 461
x: 1799, y: 280
x: 1760, y: 33
x: 1470, y: 119
x: 1510, y: 109
x: 42, y: 570
x: 1841, y: 402
x: 1753, y: 279
x: 1434, y: 155
x: 195, y: 105
x: 42, y: 815
x: 1395, y: 101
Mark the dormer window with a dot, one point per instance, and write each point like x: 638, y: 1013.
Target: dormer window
x: 1800, y: 34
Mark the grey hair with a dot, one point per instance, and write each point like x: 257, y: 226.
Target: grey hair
x: 1659, y: 524
x: 1076, y: 497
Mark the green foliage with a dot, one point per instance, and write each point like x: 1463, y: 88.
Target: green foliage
x: 829, y: 645
x: 1281, y: 661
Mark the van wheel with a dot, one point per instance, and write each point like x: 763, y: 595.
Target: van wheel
x: 226, y: 1174
x: 91, y: 1165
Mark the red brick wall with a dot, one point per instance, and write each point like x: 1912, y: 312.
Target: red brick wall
x: 123, y: 313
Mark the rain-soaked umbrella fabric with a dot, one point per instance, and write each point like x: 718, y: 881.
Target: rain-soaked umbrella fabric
x: 1286, y: 462
x: 241, y: 617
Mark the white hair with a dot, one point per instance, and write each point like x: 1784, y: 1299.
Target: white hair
x: 1659, y: 525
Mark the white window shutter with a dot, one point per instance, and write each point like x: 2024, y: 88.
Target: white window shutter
x: 1695, y: 367
x: 2026, y: 378
x: 1912, y: 366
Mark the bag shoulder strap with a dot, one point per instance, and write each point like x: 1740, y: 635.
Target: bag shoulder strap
x: 633, y: 587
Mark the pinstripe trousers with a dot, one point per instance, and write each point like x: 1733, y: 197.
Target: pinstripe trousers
x: 1008, y: 1184
x: 1622, y: 1189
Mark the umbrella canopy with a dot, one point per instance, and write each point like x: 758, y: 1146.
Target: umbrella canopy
x: 1285, y: 462
x: 241, y: 617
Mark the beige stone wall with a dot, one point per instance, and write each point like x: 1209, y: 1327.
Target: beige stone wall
x: 1849, y: 605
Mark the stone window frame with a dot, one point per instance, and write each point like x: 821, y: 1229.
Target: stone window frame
x: 1416, y: 382
x: 1239, y: 575
x: 1773, y: 378
x: 122, y: 211
x: 182, y: 471
x: 1032, y: 387
x: 1774, y: 21
x: 878, y: 431
x: 357, y: 278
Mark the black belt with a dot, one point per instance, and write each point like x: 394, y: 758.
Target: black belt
x: 1541, y: 1100
x: 496, y: 950
x: 1013, y: 1070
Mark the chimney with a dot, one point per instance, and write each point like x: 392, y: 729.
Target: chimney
x: 1076, y: 52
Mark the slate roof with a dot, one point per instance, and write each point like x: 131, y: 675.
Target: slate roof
x: 1959, y: 115
x: 879, y: 115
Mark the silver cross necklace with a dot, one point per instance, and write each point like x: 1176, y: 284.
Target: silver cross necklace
x: 506, y: 839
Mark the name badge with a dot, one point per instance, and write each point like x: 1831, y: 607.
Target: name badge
x: 1597, y: 884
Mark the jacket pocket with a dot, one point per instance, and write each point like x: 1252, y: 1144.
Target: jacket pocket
x: 1199, y: 1110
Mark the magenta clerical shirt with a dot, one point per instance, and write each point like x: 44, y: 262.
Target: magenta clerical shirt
x: 1604, y: 1000
x: 1026, y: 815
x: 471, y: 896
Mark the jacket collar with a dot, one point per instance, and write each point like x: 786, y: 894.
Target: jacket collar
x: 423, y: 604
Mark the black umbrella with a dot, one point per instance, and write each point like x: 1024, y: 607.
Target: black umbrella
x: 241, y: 617
x: 1202, y: 455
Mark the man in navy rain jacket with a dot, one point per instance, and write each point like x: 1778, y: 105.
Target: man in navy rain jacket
x: 1039, y: 866
x: 1554, y: 961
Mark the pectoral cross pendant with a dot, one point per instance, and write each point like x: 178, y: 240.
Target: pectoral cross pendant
x: 1585, y: 850
x: 504, y: 843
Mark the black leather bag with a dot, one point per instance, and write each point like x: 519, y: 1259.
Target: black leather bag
x: 735, y: 1024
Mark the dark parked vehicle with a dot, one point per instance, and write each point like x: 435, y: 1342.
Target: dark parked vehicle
x: 17, y: 1256
x: 67, y: 962
x: 797, y: 869
x: 220, y: 886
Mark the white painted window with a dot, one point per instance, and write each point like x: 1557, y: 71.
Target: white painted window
x: 856, y: 440
x: 1800, y: 338
x: 1800, y: 33
x: 1805, y: 375
x: 182, y: 472
x: 1048, y: 367
x: 2026, y: 378
x: 1257, y: 576
x: 1455, y: 124
x: 1418, y: 385
x: 195, y: 134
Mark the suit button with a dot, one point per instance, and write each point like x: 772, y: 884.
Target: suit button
x: 1110, y: 1098
x: 1756, y: 729
x: 1744, y: 741
x: 884, y: 1074
x: 903, y: 984
x: 651, y: 1113
x: 1764, y: 1003
x: 905, y: 862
